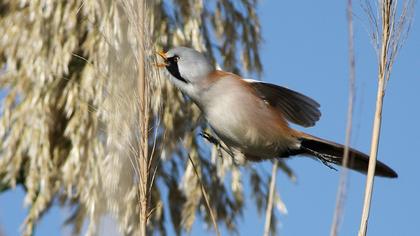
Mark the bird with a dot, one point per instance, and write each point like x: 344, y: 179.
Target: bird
x: 253, y: 116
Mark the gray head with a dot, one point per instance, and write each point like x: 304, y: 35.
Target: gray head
x: 187, y: 66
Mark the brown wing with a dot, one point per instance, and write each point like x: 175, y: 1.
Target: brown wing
x: 296, y: 107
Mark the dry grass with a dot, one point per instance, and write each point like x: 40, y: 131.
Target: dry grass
x: 73, y: 128
x: 139, y: 20
x: 270, y: 200
x: 389, y: 37
x: 341, y: 192
x: 206, y: 198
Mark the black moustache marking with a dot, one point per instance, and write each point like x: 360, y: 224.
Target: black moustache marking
x: 172, y: 67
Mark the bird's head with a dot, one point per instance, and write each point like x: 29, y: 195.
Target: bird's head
x: 187, y: 66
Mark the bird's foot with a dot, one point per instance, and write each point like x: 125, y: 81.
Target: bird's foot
x: 218, y: 144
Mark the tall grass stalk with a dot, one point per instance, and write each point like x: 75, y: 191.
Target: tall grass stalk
x: 139, y: 18
x: 342, y: 186
x: 271, y: 196
x: 393, y: 33
x: 143, y: 158
x: 206, y: 198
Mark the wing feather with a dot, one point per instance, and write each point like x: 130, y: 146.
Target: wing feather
x: 296, y: 107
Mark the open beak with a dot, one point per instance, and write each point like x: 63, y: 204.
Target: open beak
x: 165, y: 59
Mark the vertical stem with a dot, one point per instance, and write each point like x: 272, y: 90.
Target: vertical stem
x: 206, y: 198
x: 270, y: 202
x: 341, y: 192
x: 372, y: 159
x: 386, y: 11
x: 144, y: 178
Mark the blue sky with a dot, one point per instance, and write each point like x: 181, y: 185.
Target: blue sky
x: 305, y: 49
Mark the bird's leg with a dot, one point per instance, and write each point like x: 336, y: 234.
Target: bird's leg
x: 210, y: 138
x: 218, y: 144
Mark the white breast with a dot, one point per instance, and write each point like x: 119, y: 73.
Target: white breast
x: 243, y: 120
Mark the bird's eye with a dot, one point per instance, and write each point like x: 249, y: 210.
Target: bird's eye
x: 176, y: 58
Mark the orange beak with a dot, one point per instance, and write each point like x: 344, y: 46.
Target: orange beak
x: 163, y: 55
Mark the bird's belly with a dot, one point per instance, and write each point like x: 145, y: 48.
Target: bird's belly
x: 248, y: 125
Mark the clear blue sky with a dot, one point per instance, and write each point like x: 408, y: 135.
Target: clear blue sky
x: 305, y: 49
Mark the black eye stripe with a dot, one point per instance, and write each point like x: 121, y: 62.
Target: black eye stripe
x: 172, y: 67
x: 173, y: 59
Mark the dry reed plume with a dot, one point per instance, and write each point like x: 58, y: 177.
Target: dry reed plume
x: 85, y: 119
x: 389, y: 34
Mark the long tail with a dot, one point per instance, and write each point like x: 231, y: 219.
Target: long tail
x: 330, y: 152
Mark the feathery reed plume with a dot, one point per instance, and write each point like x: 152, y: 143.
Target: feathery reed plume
x: 130, y: 117
x: 388, y: 39
x: 341, y: 191
x: 71, y: 121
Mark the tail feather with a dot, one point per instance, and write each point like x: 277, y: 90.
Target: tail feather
x: 331, y: 152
